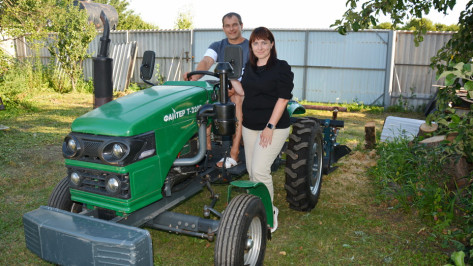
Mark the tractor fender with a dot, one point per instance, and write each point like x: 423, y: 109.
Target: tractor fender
x: 257, y: 189
x: 295, y: 108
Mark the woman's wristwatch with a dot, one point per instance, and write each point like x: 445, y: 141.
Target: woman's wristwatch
x: 270, y: 126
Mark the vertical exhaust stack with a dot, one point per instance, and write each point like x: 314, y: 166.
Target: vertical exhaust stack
x: 103, y: 68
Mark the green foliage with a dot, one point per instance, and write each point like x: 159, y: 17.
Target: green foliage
x: 26, y: 18
x: 401, y: 175
x: 447, y: 117
x: 5, y: 63
x: 184, y: 21
x: 459, y: 47
x: 19, y: 81
x: 416, y: 24
x: 443, y: 27
x: 355, y: 106
x: 127, y: 19
x: 69, y: 46
x: 159, y: 77
x: 419, y: 24
x: 402, y: 179
x: 362, y: 14
x: 384, y: 26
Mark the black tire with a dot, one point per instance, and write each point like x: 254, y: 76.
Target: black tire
x: 242, y: 233
x: 304, y: 159
x: 60, y: 198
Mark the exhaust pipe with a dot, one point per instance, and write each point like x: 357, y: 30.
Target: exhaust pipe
x: 103, y: 68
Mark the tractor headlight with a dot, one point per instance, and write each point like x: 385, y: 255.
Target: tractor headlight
x: 114, y: 152
x: 75, y: 178
x: 71, y: 147
x: 118, y: 151
x: 113, y: 185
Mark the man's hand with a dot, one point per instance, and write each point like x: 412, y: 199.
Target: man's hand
x: 191, y: 78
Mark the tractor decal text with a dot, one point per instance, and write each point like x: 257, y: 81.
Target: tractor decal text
x: 178, y: 114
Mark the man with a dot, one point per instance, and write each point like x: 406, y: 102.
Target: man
x: 232, y: 26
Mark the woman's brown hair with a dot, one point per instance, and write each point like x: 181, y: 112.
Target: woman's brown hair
x: 262, y: 33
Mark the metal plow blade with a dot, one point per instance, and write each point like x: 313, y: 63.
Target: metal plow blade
x: 340, y: 151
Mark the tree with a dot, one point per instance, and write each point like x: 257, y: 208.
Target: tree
x: 452, y: 61
x: 69, y: 45
x: 25, y: 18
x: 184, y: 21
x: 419, y: 24
x: 384, y: 26
x: 127, y: 19
x: 443, y: 27
x: 414, y: 24
x: 361, y: 14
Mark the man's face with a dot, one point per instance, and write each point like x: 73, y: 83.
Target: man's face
x: 232, y: 28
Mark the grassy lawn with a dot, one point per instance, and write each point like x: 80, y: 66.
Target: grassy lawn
x: 348, y: 226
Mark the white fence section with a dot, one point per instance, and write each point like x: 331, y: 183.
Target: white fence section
x: 373, y: 66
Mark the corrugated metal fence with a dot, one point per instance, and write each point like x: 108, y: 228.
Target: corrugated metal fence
x: 373, y: 67
x: 414, y: 80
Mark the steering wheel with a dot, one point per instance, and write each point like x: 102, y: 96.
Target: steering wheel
x: 190, y: 74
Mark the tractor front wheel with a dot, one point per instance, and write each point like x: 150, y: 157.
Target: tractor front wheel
x: 242, y: 233
x: 304, y: 157
x: 60, y: 198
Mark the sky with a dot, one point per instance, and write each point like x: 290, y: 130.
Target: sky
x: 281, y: 14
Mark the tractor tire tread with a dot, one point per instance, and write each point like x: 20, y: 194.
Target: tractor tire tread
x: 306, y: 133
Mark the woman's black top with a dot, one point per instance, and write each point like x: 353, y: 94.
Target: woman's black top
x: 263, y: 87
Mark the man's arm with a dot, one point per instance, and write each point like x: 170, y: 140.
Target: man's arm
x: 204, y: 65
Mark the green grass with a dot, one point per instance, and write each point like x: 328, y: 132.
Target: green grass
x: 349, y: 226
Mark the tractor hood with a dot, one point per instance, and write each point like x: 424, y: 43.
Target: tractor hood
x: 143, y: 111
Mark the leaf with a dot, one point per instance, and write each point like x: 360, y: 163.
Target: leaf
x: 467, y: 67
x: 450, y: 79
x: 459, y: 66
x: 459, y: 258
x: 356, y: 26
x: 353, y: 4
x: 373, y: 20
x: 468, y: 86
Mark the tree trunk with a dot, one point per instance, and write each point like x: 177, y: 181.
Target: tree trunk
x: 426, y: 129
x: 433, y: 141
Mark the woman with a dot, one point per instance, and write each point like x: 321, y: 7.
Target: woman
x: 266, y: 84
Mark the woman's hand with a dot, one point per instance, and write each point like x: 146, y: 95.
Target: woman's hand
x: 266, y: 137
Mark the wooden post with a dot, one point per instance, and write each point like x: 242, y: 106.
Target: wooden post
x: 370, y: 135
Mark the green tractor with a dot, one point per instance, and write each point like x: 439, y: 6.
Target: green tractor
x: 132, y: 160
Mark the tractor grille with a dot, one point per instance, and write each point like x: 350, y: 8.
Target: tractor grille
x: 95, y: 181
x: 91, y: 147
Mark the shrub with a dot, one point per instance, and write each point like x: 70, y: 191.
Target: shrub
x: 19, y: 81
x: 415, y: 178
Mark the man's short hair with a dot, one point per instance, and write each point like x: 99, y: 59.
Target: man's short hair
x: 231, y: 14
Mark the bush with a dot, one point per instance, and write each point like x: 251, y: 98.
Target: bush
x: 415, y: 178
x: 19, y: 81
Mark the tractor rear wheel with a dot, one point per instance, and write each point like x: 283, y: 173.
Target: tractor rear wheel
x: 242, y: 233
x: 60, y: 198
x: 304, y: 157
